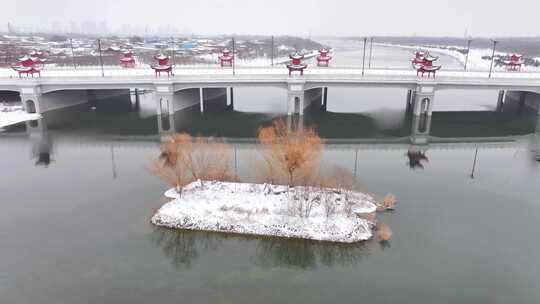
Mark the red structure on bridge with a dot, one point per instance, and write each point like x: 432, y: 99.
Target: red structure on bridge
x: 514, y: 62
x: 36, y: 54
x: 162, y: 65
x: 423, y: 63
x: 226, y: 58
x: 29, y: 65
x: 127, y: 60
x: 296, y: 63
x: 323, y: 59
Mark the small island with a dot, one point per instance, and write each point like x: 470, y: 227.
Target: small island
x: 296, y: 197
x: 273, y: 210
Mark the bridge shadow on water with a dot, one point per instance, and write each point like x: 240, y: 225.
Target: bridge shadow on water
x: 121, y: 116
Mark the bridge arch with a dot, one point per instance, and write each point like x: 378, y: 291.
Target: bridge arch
x: 165, y: 122
x: 9, y: 95
x: 443, y: 87
x: 30, y: 106
x: 424, y: 106
x: 220, y: 85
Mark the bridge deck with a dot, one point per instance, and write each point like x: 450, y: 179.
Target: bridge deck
x: 334, y: 75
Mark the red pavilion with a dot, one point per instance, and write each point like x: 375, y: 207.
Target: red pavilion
x: 162, y: 65
x: 323, y: 59
x: 36, y: 54
x: 514, y: 63
x: 296, y: 63
x: 226, y: 58
x: 423, y: 63
x: 29, y: 66
x: 127, y: 60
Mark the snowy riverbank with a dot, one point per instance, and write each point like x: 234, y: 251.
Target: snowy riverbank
x: 15, y: 116
x: 475, y: 61
x: 263, y: 209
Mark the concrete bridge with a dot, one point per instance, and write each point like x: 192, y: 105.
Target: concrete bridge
x: 62, y: 88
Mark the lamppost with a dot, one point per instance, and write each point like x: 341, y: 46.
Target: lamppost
x: 272, y: 52
x: 370, y: 51
x: 233, y: 57
x: 468, y: 51
x: 172, y: 50
x: 100, y: 58
x: 72, y: 53
x: 364, y: 56
x: 492, y: 57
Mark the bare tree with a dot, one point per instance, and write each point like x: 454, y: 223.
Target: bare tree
x: 184, y: 159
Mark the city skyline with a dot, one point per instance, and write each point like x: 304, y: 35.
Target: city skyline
x: 304, y: 18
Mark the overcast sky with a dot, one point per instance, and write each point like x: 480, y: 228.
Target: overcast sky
x: 295, y: 17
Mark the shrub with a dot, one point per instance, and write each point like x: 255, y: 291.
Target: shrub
x: 387, y: 203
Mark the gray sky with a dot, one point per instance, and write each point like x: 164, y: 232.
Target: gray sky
x: 295, y: 17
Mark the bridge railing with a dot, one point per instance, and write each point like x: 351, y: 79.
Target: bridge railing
x: 334, y: 72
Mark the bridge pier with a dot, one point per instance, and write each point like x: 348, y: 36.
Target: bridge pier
x: 422, y: 108
x: 31, y: 99
x: 500, y: 101
x: 295, y: 97
x: 136, y: 100
x: 201, y: 99
x: 537, y: 130
x: 166, y: 124
x: 324, y: 99
x: 409, y: 102
x: 230, y: 98
x: 423, y: 101
x: 164, y: 99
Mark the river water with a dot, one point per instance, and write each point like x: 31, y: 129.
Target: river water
x: 76, y: 197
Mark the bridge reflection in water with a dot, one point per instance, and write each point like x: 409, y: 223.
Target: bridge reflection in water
x: 414, y: 136
x: 415, y: 126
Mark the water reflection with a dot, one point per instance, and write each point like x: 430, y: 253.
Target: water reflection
x: 184, y: 247
x: 42, y: 145
x: 416, y: 158
x: 305, y: 254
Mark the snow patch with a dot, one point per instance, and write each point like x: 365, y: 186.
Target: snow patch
x: 265, y: 209
x: 15, y: 116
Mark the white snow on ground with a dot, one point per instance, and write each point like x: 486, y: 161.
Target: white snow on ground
x: 264, y: 209
x: 475, y: 61
x: 8, y: 118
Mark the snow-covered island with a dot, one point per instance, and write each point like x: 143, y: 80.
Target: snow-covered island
x: 10, y: 115
x: 314, y: 213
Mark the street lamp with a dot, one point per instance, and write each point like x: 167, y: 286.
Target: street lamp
x: 272, y: 51
x: 233, y: 57
x: 492, y: 57
x: 172, y: 55
x: 364, y: 56
x: 100, y: 58
x: 468, y: 51
x: 72, y: 53
x: 370, y: 51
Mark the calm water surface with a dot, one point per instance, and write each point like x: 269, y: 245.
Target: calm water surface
x: 76, y: 197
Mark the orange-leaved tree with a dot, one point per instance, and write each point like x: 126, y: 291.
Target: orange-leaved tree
x: 290, y: 151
